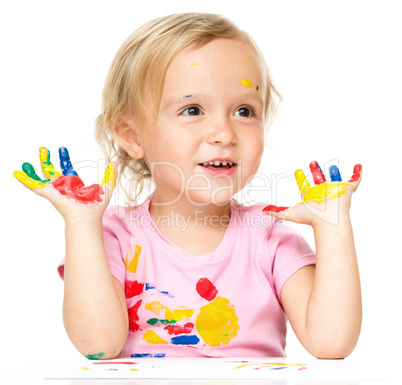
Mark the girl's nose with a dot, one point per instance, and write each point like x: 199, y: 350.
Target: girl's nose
x: 222, y: 133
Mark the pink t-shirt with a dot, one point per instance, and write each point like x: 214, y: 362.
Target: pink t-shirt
x: 221, y: 304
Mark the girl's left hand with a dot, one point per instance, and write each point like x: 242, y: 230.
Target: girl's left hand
x: 326, y: 201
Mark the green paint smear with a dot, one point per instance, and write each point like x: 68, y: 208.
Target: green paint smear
x: 96, y: 356
x: 154, y: 321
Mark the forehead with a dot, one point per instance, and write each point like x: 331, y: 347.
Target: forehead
x: 220, y: 61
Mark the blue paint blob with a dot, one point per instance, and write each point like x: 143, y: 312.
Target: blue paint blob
x: 149, y: 286
x: 335, y: 174
x: 65, y: 162
x: 280, y: 368
x: 185, y: 340
x: 157, y: 355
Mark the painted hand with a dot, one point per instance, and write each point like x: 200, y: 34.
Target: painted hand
x: 324, y: 201
x: 67, y: 191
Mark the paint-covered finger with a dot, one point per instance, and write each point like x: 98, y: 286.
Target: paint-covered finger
x: 274, y: 209
x: 110, y: 175
x: 65, y: 163
x: 317, y: 173
x: 30, y: 171
x: 335, y: 174
x: 302, y: 182
x: 28, y: 181
x: 46, y: 164
x: 357, y: 172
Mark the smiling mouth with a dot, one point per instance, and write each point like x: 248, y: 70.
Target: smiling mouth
x: 218, y: 164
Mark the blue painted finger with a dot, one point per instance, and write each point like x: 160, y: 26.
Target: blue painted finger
x: 335, y: 174
x: 65, y: 163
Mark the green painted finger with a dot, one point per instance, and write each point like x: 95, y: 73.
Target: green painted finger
x: 30, y: 171
x: 46, y: 164
x: 28, y: 181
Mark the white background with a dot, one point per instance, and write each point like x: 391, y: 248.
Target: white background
x: 338, y: 66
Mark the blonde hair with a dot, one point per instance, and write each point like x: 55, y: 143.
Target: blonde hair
x: 133, y: 85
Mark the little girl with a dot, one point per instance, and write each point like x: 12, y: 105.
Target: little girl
x: 190, y: 272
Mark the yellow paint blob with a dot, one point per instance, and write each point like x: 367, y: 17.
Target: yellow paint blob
x: 132, y: 258
x: 110, y: 175
x: 194, y: 64
x: 326, y: 190
x: 27, y: 181
x: 152, y: 338
x: 134, y: 370
x: 246, y: 83
x: 217, y: 322
x: 84, y: 368
x: 156, y: 307
x: 46, y: 164
x: 178, y: 314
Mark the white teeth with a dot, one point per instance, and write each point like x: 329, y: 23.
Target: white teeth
x: 217, y: 163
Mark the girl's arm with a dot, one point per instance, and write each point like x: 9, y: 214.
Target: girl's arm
x: 94, y: 310
x: 323, y: 302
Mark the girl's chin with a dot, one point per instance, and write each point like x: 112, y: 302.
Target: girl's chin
x: 220, y: 197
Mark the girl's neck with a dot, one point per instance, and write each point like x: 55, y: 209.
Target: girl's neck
x: 182, y: 207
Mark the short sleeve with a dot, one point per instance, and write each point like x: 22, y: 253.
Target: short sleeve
x: 114, y: 231
x: 289, y: 251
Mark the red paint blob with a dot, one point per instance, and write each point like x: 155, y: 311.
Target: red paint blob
x: 275, y: 209
x: 206, y: 289
x: 318, y: 176
x: 133, y: 288
x: 177, y: 329
x: 73, y: 187
x: 133, y: 317
x: 115, y: 363
x: 357, y: 171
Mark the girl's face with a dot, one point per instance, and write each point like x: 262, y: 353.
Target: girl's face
x: 211, y: 110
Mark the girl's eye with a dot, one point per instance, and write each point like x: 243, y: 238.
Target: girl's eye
x: 192, y: 111
x: 245, y: 112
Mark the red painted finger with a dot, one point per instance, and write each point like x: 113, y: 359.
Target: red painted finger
x: 357, y: 172
x: 275, y: 209
x: 318, y: 176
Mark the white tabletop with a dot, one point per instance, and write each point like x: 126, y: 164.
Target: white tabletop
x: 194, y: 371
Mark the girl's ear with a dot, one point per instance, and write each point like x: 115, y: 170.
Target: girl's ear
x: 127, y: 137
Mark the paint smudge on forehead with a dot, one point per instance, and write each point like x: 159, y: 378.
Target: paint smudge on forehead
x: 194, y: 64
x: 246, y: 83
x: 185, y: 97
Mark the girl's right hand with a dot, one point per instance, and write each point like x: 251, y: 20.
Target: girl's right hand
x: 67, y: 192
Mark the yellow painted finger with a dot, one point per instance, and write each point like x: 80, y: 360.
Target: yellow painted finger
x: 46, y: 164
x: 110, y: 175
x: 324, y: 191
x: 27, y: 181
x: 302, y: 182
